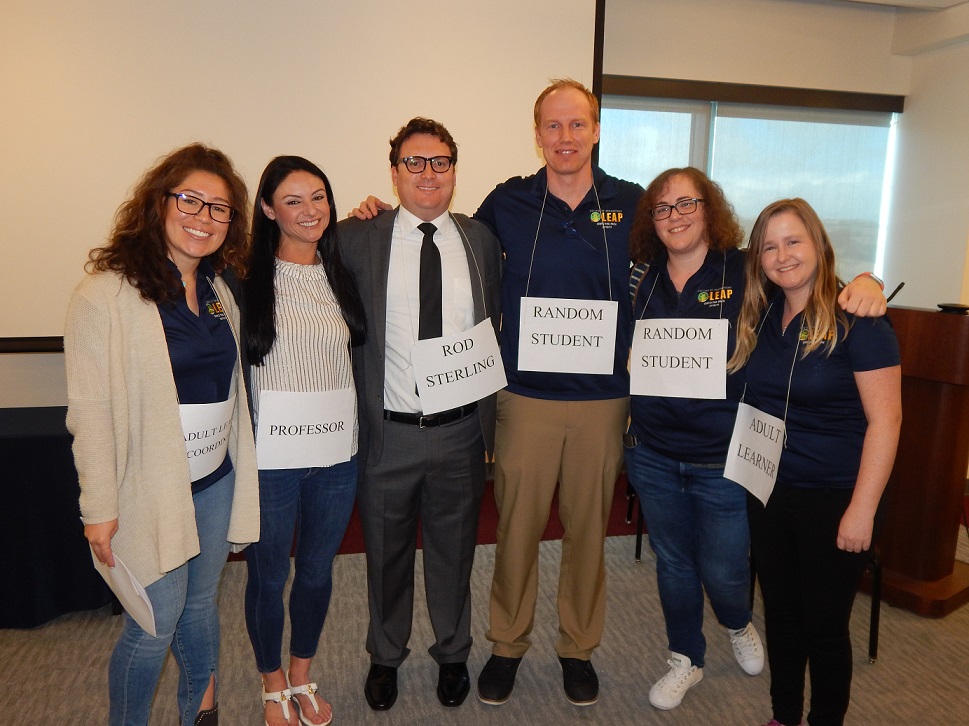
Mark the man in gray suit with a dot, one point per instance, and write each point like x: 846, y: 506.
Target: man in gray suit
x: 416, y: 466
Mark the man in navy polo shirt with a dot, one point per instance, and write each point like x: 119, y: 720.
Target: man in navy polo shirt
x: 564, y: 341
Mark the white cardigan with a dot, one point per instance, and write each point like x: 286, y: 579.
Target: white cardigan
x: 128, y: 444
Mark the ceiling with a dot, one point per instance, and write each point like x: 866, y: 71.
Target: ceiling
x: 924, y: 4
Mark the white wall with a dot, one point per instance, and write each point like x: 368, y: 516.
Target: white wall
x: 92, y: 93
x: 923, y: 55
x: 804, y: 44
x: 32, y: 380
x: 928, y: 228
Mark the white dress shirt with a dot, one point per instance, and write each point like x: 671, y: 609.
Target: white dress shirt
x: 403, y: 301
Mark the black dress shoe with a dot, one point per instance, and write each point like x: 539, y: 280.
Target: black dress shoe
x: 453, y: 684
x: 497, y: 679
x: 381, y: 687
x: 580, y: 681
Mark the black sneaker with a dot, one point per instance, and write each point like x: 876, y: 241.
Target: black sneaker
x: 580, y: 681
x: 497, y: 679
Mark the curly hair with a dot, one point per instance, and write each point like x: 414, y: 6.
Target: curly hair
x: 822, y: 313
x: 259, y: 291
x: 421, y: 125
x: 138, y: 246
x: 723, y: 230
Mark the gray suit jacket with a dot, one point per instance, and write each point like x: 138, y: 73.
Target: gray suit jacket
x: 365, y: 249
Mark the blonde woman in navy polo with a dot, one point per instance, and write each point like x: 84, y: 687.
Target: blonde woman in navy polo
x: 836, y: 381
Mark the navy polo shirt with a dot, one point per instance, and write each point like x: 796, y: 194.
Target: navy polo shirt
x: 826, y: 422
x: 202, y: 351
x: 576, y: 256
x: 692, y: 430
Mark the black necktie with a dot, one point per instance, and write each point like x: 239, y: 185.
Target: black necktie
x: 430, y: 325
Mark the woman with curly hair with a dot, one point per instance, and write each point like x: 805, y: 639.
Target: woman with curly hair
x: 676, y: 449
x: 162, y: 440
x: 835, y: 380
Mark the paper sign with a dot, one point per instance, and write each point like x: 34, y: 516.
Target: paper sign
x: 680, y: 358
x: 559, y: 335
x: 299, y: 430
x: 755, y: 451
x: 206, y: 429
x: 455, y: 370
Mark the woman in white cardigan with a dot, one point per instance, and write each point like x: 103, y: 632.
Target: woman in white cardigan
x: 162, y: 439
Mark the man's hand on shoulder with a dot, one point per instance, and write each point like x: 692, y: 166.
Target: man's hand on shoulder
x: 369, y: 208
x: 863, y: 297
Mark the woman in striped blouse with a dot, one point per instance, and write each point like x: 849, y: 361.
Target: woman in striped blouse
x: 301, y: 313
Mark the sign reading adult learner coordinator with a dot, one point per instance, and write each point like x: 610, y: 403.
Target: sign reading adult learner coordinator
x: 682, y: 358
x: 458, y: 369
x: 299, y: 430
x: 559, y: 335
x: 206, y: 428
x: 755, y: 451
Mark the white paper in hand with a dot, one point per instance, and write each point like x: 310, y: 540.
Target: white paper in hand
x: 129, y: 591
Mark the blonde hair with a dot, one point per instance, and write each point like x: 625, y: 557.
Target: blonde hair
x: 821, y: 314
x: 559, y: 83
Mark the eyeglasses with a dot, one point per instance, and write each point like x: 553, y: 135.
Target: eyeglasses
x: 187, y: 204
x: 416, y: 164
x: 684, y: 206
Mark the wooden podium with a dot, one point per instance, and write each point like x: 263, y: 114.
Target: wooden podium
x: 923, y: 501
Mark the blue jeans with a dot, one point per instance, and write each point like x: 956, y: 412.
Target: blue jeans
x: 697, y: 524
x: 185, y: 603
x: 316, y: 503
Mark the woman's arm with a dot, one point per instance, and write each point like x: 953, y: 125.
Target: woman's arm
x: 881, y: 397
x: 90, y: 420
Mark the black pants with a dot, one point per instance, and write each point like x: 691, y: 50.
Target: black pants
x: 809, y: 587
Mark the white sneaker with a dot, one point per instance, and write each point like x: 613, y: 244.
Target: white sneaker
x: 747, y: 649
x: 669, y: 690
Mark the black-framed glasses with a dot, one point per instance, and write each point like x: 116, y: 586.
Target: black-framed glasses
x: 684, y: 206
x: 187, y: 204
x: 417, y: 164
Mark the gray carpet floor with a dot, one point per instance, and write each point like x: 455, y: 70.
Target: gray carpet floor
x: 56, y: 674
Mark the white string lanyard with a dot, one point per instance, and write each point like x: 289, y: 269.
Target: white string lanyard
x: 605, y: 241
x: 790, y: 375
x: 723, y: 284
x: 477, y: 268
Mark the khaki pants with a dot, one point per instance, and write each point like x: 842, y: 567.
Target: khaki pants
x: 576, y: 445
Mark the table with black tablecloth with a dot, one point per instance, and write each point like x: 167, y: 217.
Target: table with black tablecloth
x: 45, y: 562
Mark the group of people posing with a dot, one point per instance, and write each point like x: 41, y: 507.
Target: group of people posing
x: 233, y: 384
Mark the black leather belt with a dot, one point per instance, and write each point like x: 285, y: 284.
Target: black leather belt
x: 431, y: 419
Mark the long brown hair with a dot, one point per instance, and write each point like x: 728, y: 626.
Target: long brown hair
x: 723, y: 229
x: 821, y: 314
x: 137, y: 246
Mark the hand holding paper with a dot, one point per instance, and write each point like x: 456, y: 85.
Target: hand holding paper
x: 99, y: 535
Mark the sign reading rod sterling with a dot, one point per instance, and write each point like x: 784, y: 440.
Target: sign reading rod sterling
x: 458, y: 369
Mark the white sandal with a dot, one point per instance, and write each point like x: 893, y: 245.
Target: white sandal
x: 308, y: 690
x: 282, y: 697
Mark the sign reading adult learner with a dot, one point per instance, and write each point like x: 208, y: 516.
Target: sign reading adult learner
x: 682, y: 358
x: 458, y: 369
x: 299, y: 430
x: 559, y: 335
x: 755, y: 451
